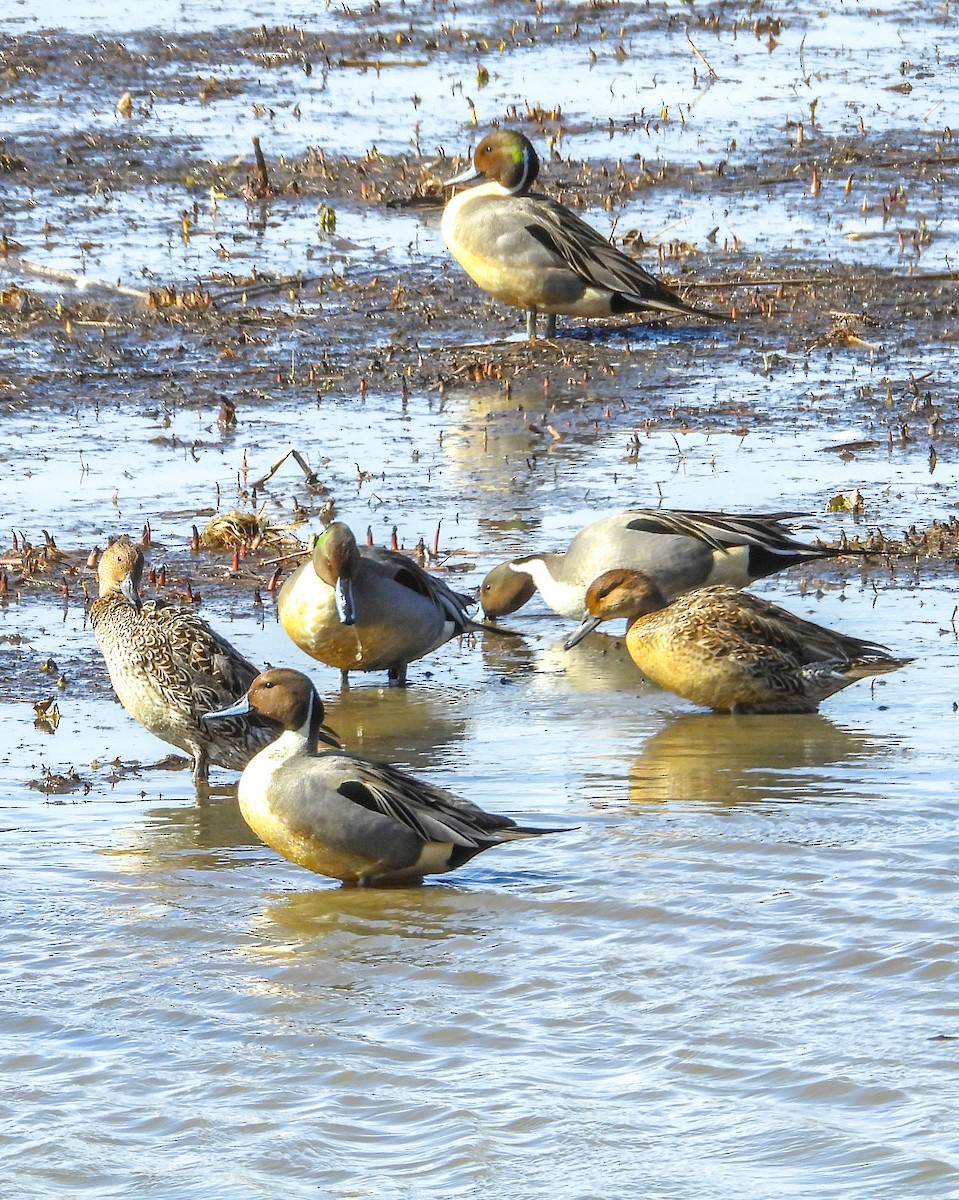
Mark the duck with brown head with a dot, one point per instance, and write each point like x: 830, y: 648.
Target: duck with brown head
x: 347, y: 817
x: 729, y: 650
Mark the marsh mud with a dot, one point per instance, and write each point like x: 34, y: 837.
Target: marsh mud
x: 174, y: 319
x: 146, y: 282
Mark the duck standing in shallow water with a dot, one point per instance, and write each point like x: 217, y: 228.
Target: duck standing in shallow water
x: 346, y: 817
x: 364, y: 608
x: 730, y: 650
x: 169, y: 668
x: 677, y: 549
x: 534, y: 254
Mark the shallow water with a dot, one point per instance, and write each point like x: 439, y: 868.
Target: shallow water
x: 736, y: 973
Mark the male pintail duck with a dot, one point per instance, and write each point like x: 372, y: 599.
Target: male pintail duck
x: 365, y: 608
x: 347, y: 817
x: 729, y: 650
x: 679, y: 550
x: 168, y: 667
x: 533, y: 253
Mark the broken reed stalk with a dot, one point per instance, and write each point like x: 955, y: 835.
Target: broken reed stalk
x: 260, y: 183
x: 695, y: 49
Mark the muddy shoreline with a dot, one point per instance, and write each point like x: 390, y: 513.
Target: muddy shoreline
x: 361, y: 332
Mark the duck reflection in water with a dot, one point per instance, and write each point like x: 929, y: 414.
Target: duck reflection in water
x: 597, y: 664
x: 600, y: 663
x: 733, y: 760
x: 400, y: 723
x: 363, y: 917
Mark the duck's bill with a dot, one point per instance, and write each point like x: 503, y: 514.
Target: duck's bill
x: 240, y: 709
x: 588, y: 625
x: 129, y: 593
x: 343, y: 598
x: 466, y: 176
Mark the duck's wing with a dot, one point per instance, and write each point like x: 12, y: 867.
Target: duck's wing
x: 720, y: 530
x: 749, y: 627
x: 432, y: 813
x: 599, y: 262
x: 795, y: 658
x: 403, y: 570
x: 203, y: 668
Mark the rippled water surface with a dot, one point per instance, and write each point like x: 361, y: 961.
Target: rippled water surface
x: 735, y: 974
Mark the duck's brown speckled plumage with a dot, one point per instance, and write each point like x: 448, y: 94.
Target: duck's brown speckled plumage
x: 168, y: 667
x: 730, y: 650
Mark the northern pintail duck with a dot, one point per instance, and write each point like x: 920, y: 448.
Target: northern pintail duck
x: 532, y: 253
x: 347, y: 817
x: 365, y: 608
x: 729, y: 650
x: 678, y: 549
x: 168, y: 667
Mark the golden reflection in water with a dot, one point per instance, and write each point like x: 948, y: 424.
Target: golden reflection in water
x: 390, y: 723
x: 193, y: 834
x: 599, y: 663
x: 433, y: 912
x: 733, y: 759
x: 497, y: 437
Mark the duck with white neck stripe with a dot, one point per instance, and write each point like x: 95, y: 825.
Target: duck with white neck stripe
x: 347, y: 817
x: 532, y: 253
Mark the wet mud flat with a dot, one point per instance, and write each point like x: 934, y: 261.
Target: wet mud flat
x: 331, y: 307
x: 171, y: 303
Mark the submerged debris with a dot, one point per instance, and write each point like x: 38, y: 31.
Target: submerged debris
x: 47, y: 714
x: 52, y: 783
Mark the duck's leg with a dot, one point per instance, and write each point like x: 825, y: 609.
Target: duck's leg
x: 344, y: 680
x: 201, y: 767
x: 396, y: 675
x: 550, y: 325
x: 531, y: 323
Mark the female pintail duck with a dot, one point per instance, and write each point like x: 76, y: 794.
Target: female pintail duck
x: 168, y: 667
x: 533, y: 253
x: 729, y: 650
x: 678, y: 549
x: 347, y: 817
x: 365, y: 608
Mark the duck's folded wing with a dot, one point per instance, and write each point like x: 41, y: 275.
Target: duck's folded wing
x: 433, y: 814
x: 404, y: 571
x: 591, y: 255
x: 200, y: 668
x: 199, y: 649
x: 766, y: 631
x: 721, y: 530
